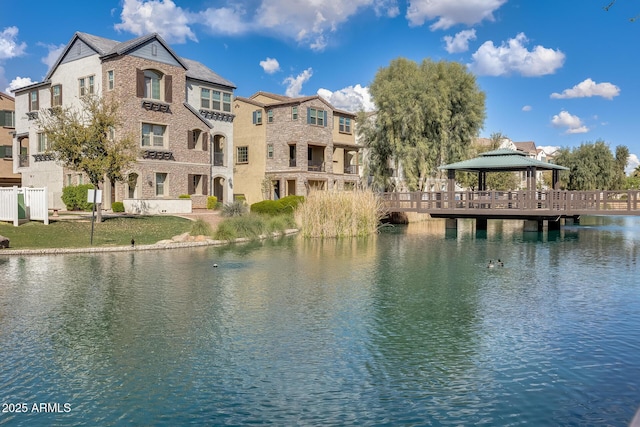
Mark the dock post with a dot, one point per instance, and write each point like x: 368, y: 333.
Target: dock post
x: 481, y: 224
x: 451, y: 224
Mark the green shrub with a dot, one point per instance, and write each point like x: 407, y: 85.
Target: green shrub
x: 277, y: 207
x: 117, y: 207
x: 184, y: 196
x: 235, y: 208
x: 212, y: 202
x: 200, y: 227
x: 74, y: 197
x: 225, y: 231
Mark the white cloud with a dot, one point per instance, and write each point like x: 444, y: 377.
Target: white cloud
x: 527, y: 108
x: 513, y: 57
x: 632, y: 164
x: 226, y: 20
x: 270, y: 65
x: 352, y: 98
x: 53, y: 55
x: 459, y: 42
x: 571, y: 122
x: 17, y: 83
x: 9, y: 46
x: 449, y: 13
x: 141, y: 17
x: 294, y: 84
x: 387, y: 8
x: 587, y: 89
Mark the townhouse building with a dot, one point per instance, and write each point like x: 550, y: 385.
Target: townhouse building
x: 7, y: 126
x: 291, y: 145
x: 178, y: 109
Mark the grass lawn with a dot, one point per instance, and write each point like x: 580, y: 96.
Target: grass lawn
x: 77, y: 233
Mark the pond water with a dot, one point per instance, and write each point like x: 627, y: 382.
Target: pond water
x: 407, y: 327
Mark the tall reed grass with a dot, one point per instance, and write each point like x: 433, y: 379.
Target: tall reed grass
x: 340, y: 214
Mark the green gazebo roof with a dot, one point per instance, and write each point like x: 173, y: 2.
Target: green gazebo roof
x: 503, y: 159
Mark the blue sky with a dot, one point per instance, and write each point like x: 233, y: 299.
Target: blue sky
x: 558, y: 73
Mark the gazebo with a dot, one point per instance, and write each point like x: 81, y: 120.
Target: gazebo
x: 502, y: 160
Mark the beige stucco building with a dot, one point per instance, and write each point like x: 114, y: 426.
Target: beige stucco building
x: 179, y: 110
x: 288, y: 146
x: 7, y: 125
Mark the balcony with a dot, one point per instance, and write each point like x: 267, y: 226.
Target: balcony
x: 316, y: 166
x: 23, y: 161
x: 218, y: 159
x: 351, y: 169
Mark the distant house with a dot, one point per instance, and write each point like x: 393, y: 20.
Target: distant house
x: 290, y: 145
x: 178, y: 109
x: 7, y: 126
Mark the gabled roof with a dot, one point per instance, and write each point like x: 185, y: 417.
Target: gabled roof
x: 501, y: 160
x: 282, y: 100
x: 528, y: 147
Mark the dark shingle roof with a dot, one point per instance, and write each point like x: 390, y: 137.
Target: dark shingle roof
x: 198, y: 71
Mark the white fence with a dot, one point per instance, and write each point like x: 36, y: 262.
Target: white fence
x: 35, y: 204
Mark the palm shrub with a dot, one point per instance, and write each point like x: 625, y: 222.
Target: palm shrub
x: 235, y: 208
x: 200, y: 227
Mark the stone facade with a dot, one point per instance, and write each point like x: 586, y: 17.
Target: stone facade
x: 176, y: 162
x: 7, y: 125
x: 289, y: 155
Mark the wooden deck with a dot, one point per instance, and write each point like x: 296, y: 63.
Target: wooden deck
x: 538, y: 205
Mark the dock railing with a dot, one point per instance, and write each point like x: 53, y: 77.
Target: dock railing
x: 565, y: 203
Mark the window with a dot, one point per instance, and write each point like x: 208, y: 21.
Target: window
x: 110, y: 80
x: 86, y: 85
x: 345, y: 125
x: 316, y: 117
x: 152, y: 81
x: 269, y: 116
x: 161, y: 179
x: 153, y: 84
x: 197, y: 140
x: 242, y: 155
x: 7, y: 118
x: 215, y: 100
x: 43, y: 144
x: 6, y: 152
x: 153, y: 135
x: 56, y: 96
x: 205, y: 98
x: 80, y: 179
x: 294, y: 112
x: 269, y: 151
x: 257, y: 117
x: 34, y: 104
x: 69, y: 180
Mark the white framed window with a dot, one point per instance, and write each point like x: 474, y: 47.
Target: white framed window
x: 316, y: 117
x: 153, y: 135
x: 86, y: 85
x: 161, y: 187
x: 43, y: 144
x: 215, y: 100
x: 294, y: 112
x: 269, y: 151
x: 111, y: 84
x: 269, y: 116
x: 205, y: 98
x: 257, y: 117
x: 345, y: 125
x: 242, y: 154
x: 34, y: 103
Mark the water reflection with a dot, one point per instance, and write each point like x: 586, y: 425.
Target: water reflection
x: 407, y: 327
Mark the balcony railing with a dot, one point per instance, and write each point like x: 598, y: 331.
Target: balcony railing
x: 23, y: 161
x: 316, y: 167
x: 351, y: 169
x: 218, y: 159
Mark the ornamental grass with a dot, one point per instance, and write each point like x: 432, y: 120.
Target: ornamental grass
x: 340, y: 214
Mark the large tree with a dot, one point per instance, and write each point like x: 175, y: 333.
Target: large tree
x: 83, y: 138
x: 427, y: 115
x: 591, y: 167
